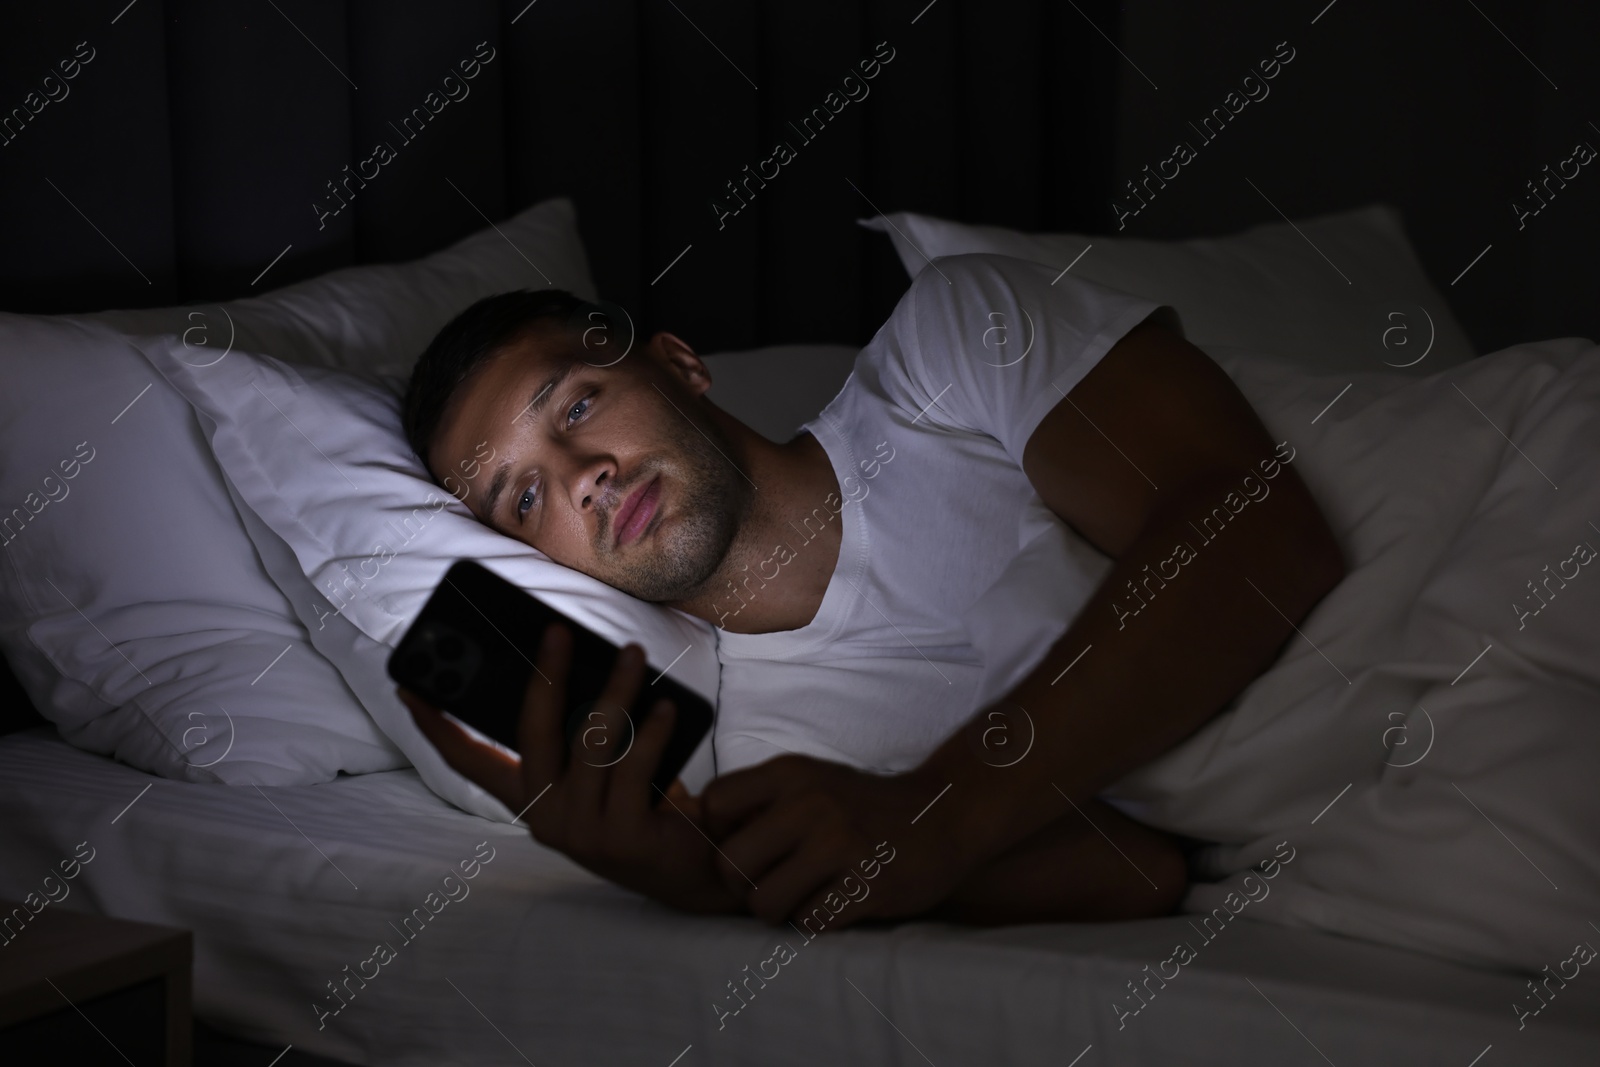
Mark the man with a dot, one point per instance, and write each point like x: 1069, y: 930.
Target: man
x: 995, y: 390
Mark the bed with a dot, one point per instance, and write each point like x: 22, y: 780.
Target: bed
x: 290, y: 884
x: 541, y: 962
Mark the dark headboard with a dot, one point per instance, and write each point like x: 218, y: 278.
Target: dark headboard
x: 1447, y: 109
x: 194, y: 142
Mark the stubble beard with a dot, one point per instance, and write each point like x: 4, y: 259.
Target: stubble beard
x: 714, y: 501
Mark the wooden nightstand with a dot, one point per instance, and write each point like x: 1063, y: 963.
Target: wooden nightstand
x: 85, y: 989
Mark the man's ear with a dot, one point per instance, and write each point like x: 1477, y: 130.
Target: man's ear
x: 680, y: 360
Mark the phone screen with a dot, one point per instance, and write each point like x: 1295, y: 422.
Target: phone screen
x: 472, y: 649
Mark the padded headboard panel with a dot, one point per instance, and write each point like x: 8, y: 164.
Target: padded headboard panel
x: 1446, y: 109
x: 199, y: 137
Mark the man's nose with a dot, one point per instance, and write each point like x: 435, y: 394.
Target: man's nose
x: 591, y: 483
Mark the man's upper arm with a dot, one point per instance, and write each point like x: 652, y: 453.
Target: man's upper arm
x: 1154, y: 421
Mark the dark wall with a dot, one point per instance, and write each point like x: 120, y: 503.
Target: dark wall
x: 1444, y: 108
x: 197, y: 143
x: 191, y: 149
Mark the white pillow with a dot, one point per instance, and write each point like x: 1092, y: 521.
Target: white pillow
x: 1265, y: 292
x: 133, y: 608
x: 363, y: 663
x: 377, y: 319
x: 174, y: 576
x: 320, y: 458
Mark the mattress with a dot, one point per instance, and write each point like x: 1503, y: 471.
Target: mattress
x: 500, y: 951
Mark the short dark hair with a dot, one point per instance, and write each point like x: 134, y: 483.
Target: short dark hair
x: 465, y: 343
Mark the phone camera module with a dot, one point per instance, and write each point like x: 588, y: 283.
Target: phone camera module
x: 442, y: 661
x: 449, y: 684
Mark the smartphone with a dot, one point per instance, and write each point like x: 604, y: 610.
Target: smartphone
x: 472, y: 649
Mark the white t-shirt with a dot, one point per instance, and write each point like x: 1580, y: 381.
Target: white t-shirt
x: 953, y: 578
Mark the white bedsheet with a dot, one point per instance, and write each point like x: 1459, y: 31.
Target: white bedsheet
x: 1429, y: 749
x: 541, y: 962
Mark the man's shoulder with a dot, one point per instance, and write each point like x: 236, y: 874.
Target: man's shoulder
x: 939, y: 317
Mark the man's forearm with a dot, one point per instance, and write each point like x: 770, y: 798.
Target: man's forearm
x: 1093, y: 865
x: 1167, y: 648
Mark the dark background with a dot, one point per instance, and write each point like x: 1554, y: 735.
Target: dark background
x: 1427, y: 105
x: 200, y: 135
x: 197, y: 139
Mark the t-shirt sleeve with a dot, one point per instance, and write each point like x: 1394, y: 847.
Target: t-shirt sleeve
x: 989, y: 344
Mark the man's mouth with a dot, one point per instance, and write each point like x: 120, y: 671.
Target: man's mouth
x: 635, y: 513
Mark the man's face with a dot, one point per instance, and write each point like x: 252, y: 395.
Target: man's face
x: 614, y: 471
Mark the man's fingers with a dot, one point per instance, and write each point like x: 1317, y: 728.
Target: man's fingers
x: 630, y: 792
x: 678, y: 799
x: 734, y: 797
x: 690, y: 804
x: 605, y: 734
x: 763, y: 843
x: 490, y: 767
x: 849, y: 889
x: 626, y: 674
x: 539, y: 735
x: 793, y: 882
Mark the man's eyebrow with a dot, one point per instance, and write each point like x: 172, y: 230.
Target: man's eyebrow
x: 496, y: 486
x: 536, y: 404
x: 541, y: 396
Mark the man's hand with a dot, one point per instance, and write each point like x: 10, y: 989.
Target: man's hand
x: 798, y: 833
x: 595, y: 805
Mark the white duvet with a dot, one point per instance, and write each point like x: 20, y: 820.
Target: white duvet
x: 1429, y: 745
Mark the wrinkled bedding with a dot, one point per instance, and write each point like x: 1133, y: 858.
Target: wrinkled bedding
x: 1428, y: 743
x: 500, y: 951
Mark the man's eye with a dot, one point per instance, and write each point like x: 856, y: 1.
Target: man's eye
x: 577, y: 410
x: 526, y: 501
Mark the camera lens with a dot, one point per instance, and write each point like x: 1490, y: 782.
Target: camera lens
x: 450, y: 647
x: 448, y: 683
